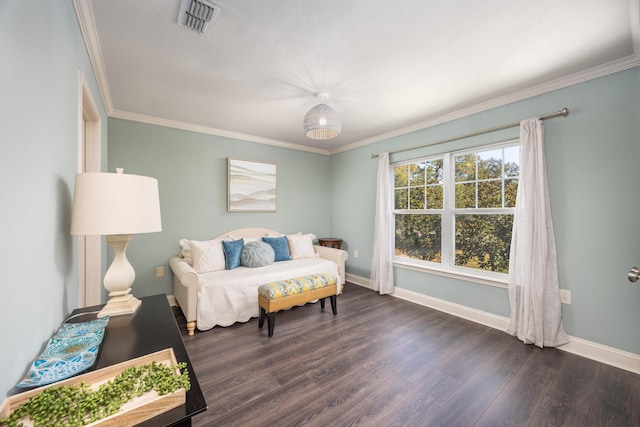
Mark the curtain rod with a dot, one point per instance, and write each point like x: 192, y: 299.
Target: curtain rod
x: 562, y: 113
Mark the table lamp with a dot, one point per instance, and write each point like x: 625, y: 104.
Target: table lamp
x: 116, y: 205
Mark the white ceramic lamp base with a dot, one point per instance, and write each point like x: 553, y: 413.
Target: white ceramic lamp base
x: 119, y: 305
x: 118, y: 280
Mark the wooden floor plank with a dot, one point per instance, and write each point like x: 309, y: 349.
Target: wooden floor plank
x: 383, y: 361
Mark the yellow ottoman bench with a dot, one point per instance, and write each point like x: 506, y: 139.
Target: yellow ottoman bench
x: 283, y: 294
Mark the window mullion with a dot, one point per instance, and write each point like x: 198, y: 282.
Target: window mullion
x: 447, y: 217
x: 475, y: 156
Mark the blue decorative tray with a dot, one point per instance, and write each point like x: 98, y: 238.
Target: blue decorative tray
x: 73, y: 349
x: 76, y: 329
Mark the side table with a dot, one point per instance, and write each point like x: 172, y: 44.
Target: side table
x: 330, y: 241
x: 152, y: 328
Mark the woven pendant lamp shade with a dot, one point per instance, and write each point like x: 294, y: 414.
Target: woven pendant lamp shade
x: 322, y: 121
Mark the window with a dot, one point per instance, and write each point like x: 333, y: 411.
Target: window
x: 454, y: 212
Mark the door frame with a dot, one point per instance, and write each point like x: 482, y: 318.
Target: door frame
x: 89, y: 160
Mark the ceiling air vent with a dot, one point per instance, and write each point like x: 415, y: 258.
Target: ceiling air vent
x: 198, y: 15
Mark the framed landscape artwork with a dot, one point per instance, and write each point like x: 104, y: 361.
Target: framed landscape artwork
x: 252, y: 186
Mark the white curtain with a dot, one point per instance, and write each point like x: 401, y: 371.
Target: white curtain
x: 534, y: 290
x: 381, y: 267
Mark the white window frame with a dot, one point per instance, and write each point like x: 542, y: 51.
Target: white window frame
x: 447, y: 265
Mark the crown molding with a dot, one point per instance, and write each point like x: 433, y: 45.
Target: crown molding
x: 213, y: 131
x: 570, y: 80
x: 84, y: 12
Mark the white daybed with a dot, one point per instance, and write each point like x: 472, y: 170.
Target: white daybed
x: 223, y: 297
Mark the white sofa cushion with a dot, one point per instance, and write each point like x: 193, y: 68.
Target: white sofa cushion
x: 301, y: 246
x: 205, y: 256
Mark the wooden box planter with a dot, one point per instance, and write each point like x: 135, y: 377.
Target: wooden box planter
x: 135, y: 411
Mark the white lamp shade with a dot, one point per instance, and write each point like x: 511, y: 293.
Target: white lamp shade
x: 322, y: 122
x: 115, y: 203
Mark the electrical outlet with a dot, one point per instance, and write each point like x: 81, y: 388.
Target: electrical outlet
x: 355, y: 253
x: 565, y: 296
x: 160, y: 271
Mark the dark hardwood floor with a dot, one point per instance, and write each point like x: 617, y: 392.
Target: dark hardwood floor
x: 383, y: 361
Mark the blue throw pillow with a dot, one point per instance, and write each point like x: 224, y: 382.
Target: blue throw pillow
x: 280, y: 247
x: 232, y: 251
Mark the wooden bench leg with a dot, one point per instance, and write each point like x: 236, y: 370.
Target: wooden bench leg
x: 321, y: 303
x: 263, y: 314
x: 271, y: 321
x: 334, y: 304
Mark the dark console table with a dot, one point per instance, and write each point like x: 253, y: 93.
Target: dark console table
x: 152, y: 328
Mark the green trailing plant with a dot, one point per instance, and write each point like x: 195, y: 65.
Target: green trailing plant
x: 78, y: 405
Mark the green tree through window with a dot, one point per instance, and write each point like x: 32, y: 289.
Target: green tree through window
x: 456, y: 210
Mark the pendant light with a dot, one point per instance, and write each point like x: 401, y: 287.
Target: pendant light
x: 322, y: 121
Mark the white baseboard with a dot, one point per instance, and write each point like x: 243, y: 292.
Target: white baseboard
x: 172, y: 300
x: 602, y: 353
x: 468, y: 313
x: 358, y: 280
x: 591, y: 350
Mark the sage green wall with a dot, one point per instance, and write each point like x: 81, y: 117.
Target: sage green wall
x: 42, y: 51
x: 191, y: 169
x: 592, y: 161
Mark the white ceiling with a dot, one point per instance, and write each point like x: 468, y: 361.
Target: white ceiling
x: 388, y: 66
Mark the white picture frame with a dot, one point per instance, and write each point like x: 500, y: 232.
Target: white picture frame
x: 252, y: 186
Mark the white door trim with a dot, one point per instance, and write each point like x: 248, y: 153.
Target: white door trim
x: 89, y: 160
